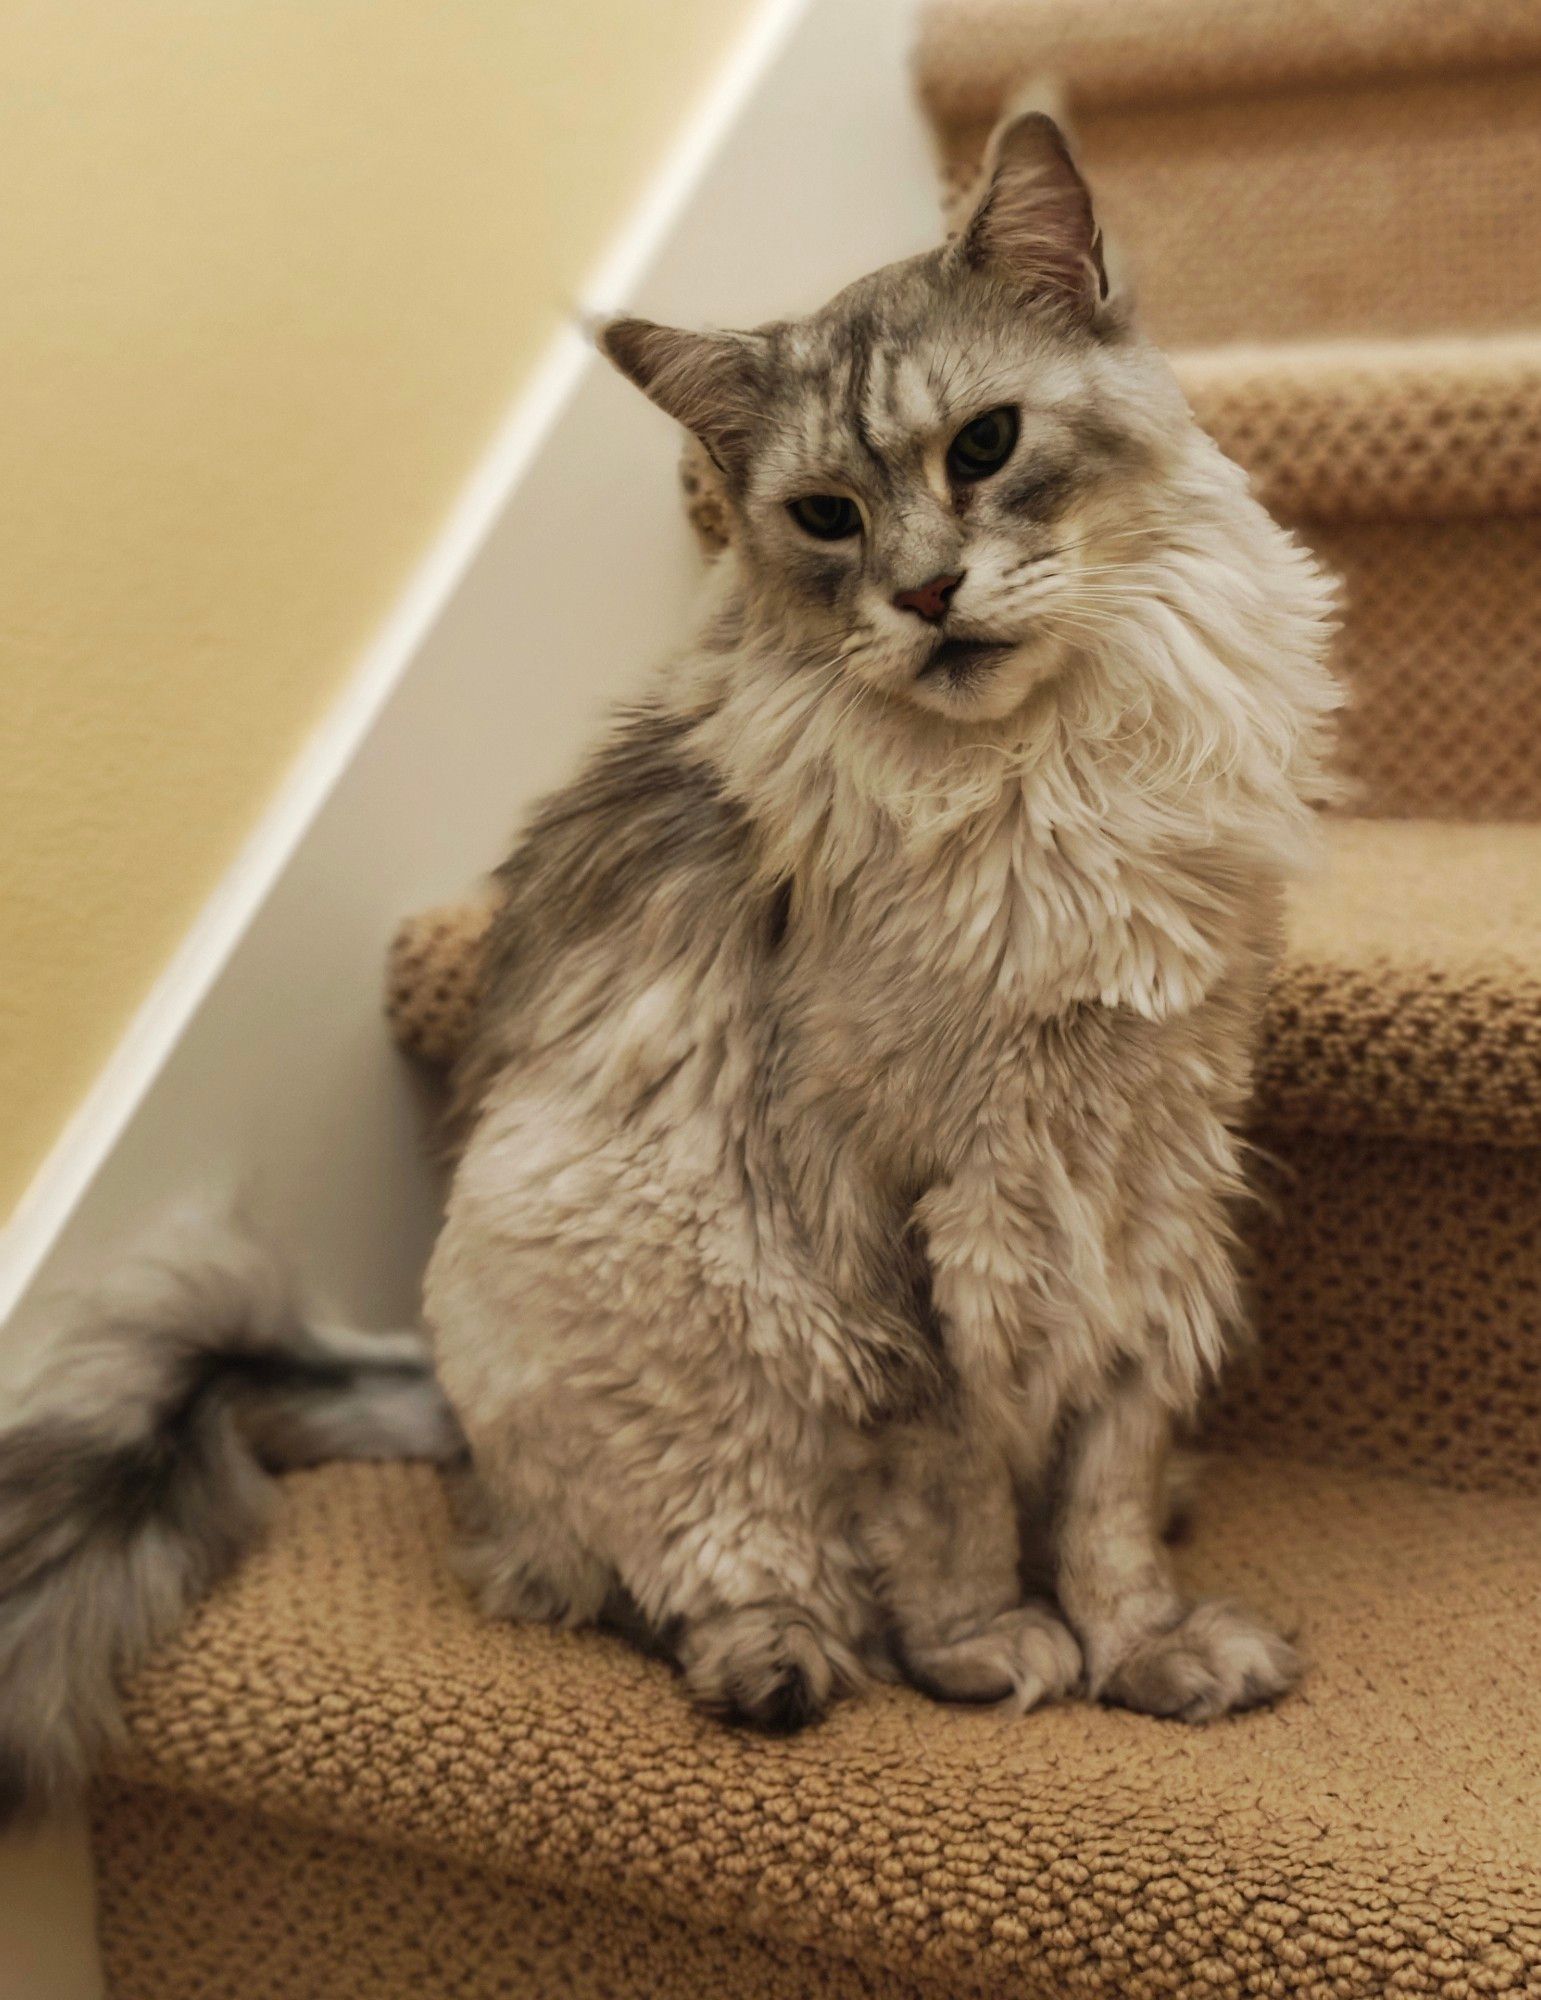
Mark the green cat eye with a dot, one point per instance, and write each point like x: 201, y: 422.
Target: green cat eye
x: 828, y: 516
x: 984, y: 445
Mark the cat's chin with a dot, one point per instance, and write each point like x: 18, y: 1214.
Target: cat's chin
x: 990, y: 685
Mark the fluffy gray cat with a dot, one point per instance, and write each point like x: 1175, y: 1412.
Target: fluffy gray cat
x: 850, y: 1136
x: 853, y: 1117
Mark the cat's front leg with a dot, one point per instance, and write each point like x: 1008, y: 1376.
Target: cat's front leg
x: 703, y: 1552
x: 1146, y: 1646
x: 937, y: 1524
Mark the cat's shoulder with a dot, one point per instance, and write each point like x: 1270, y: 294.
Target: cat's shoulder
x: 644, y: 801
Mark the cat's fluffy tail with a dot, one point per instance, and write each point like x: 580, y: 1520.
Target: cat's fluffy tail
x: 137, y: 1468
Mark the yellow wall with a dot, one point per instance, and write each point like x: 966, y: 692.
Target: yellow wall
x: 269, y: 271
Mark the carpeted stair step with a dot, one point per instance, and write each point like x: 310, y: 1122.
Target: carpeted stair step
x: 1286, y: 170
x: 1398, y: 1255
x: 342, y: 1782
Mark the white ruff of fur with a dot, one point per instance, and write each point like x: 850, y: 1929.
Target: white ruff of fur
x: 1190, y: 725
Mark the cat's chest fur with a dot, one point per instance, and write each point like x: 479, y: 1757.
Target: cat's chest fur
x: 919, y: 990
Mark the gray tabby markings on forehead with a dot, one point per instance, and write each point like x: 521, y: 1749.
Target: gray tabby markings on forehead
x: 863, y: 337
x: 891, y: 406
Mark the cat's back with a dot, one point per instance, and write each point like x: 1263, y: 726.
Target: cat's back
x: 641, y: 868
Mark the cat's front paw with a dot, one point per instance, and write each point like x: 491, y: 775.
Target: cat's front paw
x: 1217, y: 1658
x: 766, y: 1665
x: 1024, y: 1657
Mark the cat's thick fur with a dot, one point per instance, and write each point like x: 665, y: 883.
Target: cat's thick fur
x: 850, y: 1138
x: 853, y: 1119
x: 135, y: 1467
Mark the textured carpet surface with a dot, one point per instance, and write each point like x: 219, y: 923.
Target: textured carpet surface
x: 1356, y: 430
x: 1413, y: 468
x: 199, y: 1899
x: 1397, y: 1299
x: 1439, y: 652
x: 969, y: 51
x: 1375, y: 1834
x: 1409, y: 1001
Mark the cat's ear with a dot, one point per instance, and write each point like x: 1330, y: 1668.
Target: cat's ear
x: 709, y: 382
x: 1034, y: 219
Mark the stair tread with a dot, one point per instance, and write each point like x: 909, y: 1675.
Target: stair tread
x: 1382, y: 1819
x: 972, y: 53
x: 1410, y: 891
x: 1408, y: 1004
x: 1426, y: 428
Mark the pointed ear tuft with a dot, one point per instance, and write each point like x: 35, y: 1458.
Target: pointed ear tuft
x: 1034, y: 219
x: 706, y: 381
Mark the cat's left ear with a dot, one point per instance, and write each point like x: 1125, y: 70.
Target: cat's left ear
x: 709, y: 382
x: 1034, y: 220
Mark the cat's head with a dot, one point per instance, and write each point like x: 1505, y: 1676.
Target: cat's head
x: 932, y: 480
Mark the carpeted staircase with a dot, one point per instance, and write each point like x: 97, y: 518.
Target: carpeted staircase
x: 341, y: 1782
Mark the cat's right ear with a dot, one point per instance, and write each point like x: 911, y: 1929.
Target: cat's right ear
x: 709, y: 382
x: 1033, y: 219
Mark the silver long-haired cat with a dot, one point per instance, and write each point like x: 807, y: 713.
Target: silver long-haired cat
x: 844, y: 1214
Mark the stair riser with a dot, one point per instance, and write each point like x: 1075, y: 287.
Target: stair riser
x: 1439, y: 649
x: 363, y: 1922
x: 1398, y: 1304
x: 1391, y: 207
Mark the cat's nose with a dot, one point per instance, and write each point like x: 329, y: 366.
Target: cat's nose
x: 929, y: 600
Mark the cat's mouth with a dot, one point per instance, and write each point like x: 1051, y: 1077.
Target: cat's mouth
x: 960, y: 659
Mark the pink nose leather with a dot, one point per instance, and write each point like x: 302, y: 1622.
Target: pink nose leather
x: 930, y: 600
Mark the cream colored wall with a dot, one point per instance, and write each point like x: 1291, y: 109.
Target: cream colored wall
x: 268, y: 275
